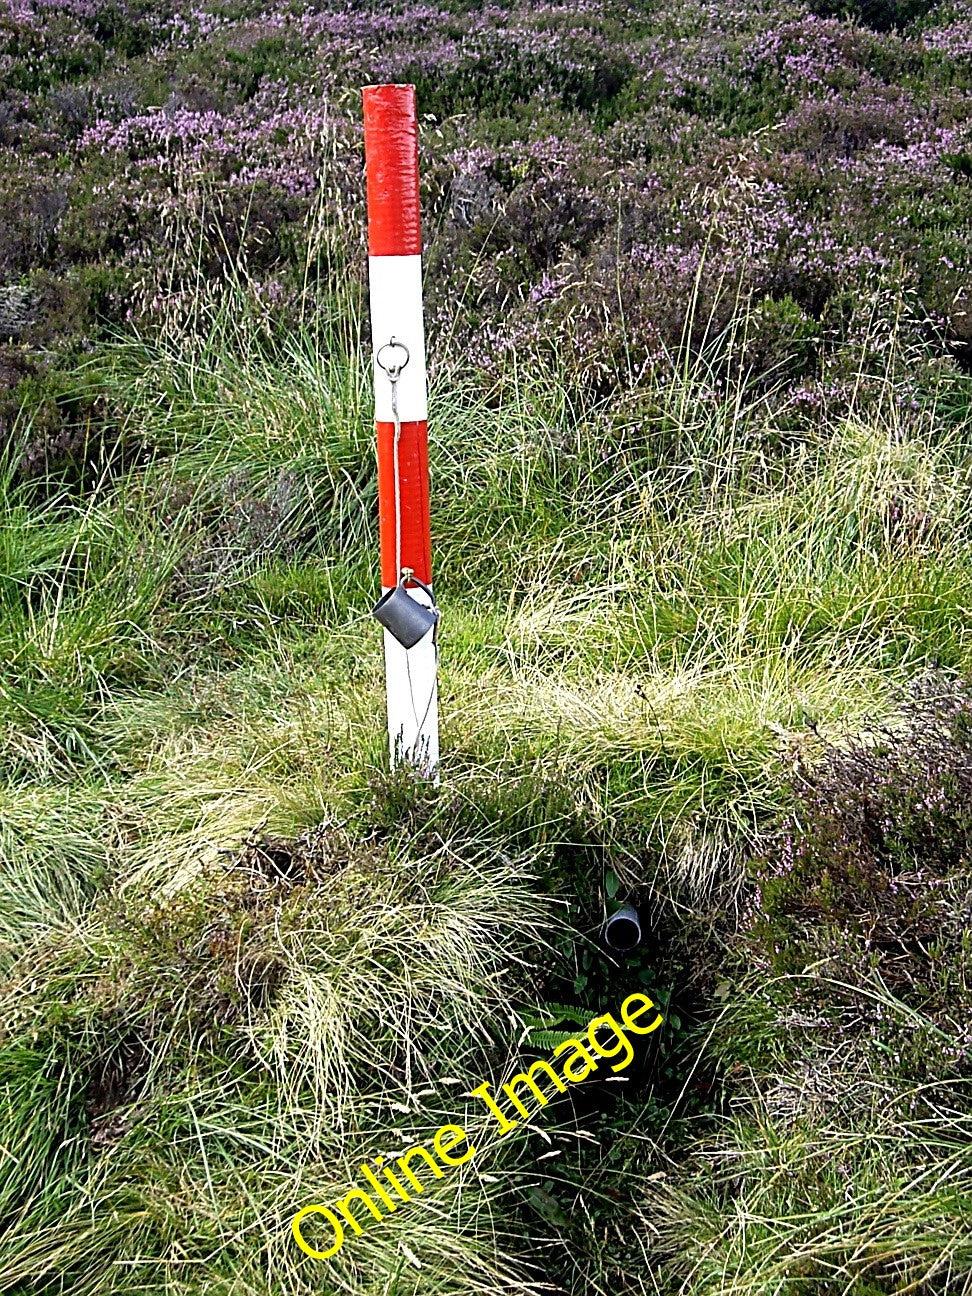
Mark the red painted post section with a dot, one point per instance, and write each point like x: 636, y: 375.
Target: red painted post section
x: 391, y: 163
x: 413, y: 473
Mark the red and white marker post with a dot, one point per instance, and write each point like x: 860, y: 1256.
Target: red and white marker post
x: 401, y: 402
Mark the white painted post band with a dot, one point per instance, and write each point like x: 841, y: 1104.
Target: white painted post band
x: 395, y: 289
x: 412, y: 698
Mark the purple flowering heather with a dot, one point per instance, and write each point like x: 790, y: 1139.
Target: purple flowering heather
x: 268, y: 139
x: 588, y: 168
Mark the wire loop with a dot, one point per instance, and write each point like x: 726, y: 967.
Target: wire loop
x: 391, y: 368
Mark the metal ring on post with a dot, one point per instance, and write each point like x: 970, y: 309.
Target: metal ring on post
x: 391, y: 369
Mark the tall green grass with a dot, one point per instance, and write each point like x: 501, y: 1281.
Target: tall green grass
x: 202, y: 1024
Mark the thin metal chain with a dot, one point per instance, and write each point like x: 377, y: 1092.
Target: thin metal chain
x: 393, y: 375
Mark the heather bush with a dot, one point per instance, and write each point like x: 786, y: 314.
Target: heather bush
x: 588, y: 173
x: 881, y: 15
x: 869, y: 879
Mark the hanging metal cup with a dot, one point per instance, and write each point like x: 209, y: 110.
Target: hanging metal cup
x: 622, y: 931
x: 404, y: 617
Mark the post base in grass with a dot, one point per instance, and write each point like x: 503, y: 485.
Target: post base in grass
x: 413, y: 716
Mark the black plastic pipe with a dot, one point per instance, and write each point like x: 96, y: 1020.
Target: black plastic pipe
x: 622, y: 931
